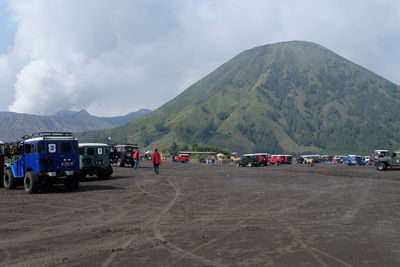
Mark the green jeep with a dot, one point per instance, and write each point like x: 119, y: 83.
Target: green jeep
x: 387, y: 160
x: 94, y: 160
x: 249, y: 160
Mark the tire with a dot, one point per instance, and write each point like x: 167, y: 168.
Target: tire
x: 381, y: 166
x: 237, y: 164
x: 31, y: 183
x: 120, y: 162
x: 8, y: 180
x: 249, y: 164
x: 72, y: 182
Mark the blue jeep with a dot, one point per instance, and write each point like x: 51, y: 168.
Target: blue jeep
x: 353, y: 160
x: 44, y: 159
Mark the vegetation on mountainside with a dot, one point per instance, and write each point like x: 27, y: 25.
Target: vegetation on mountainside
x: 287, y: 97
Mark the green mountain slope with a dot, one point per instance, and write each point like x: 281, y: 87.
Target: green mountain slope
x: 288, y: 97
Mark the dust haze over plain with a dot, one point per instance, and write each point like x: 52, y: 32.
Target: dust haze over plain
x: 113, y: 57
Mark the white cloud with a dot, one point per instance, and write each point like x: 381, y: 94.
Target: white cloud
x: 113, y: 57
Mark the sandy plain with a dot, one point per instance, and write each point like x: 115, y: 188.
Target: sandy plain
x: 198, y: 215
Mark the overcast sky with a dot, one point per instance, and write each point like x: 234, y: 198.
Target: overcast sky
x: 116, y: 56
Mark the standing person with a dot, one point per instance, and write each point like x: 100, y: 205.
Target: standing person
x: 136, y: 159
x: 156, y: 158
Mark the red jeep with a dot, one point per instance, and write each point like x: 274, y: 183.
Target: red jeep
x: 181, y: 158
x: 280, y: 159
x: 263, y: 158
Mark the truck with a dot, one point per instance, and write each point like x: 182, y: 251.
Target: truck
x: 44, y: 159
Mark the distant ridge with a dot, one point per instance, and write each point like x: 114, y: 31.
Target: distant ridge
x: 15, y: 125
x: 120, y: 120
x: 288, y: 97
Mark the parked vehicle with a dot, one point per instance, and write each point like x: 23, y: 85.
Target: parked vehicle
x: 326, y: 159
x: 339, y: 159
x: 94, y: 160
x: 380, y: 153
x: 367, y: 159
x: 353, y: 160
x: 306, y: 159
x: 1, y: 163
x: 300, y: 160
x: 280, y: 159
x: 262, y: 158
x: 249, y: 160
x: 122, y: 154
x: 181, y: 158
x: 44, y: 159
x: 388, y: 160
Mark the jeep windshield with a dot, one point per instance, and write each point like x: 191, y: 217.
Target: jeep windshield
x: 131, y: 148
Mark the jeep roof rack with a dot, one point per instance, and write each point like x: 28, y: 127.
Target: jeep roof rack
x: 49, y: 135
x: 128, y: 145
x: 52, y: 134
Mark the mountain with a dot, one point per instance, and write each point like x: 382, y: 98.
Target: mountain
x: 102, y: 122
x: 15, y: 125
x: 288, y: 97
x: 120, y: 120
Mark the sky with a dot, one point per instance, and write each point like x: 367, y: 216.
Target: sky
x: 112, y: 57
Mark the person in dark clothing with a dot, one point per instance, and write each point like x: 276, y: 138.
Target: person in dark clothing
x: 156, y: 158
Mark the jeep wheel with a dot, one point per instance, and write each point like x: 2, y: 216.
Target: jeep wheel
x: 31, y: 182
x: 120, y: 163
x: 381, y: 166
x: 9, y: 180
x: 72, y: 182
x: 237, y: 164
x: 249, y: 164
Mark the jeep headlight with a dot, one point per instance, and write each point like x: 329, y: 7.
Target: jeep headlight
x: 67, y: 162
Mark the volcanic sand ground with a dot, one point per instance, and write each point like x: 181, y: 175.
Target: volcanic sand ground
x: 197, y: 215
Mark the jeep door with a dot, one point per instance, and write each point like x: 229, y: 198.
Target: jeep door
x: 31, y: 158
x: 395, y: 158
x: 101, y: 156
x: 20, y: 163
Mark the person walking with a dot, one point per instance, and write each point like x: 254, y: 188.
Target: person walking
x: 156, y: 158
x: 136, y: 159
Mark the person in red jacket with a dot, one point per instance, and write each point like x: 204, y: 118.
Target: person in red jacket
x: 156, y: 158
x: 136, y: 158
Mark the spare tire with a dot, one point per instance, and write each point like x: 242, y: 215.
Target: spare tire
x: 128, y: 154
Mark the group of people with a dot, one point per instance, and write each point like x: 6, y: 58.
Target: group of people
x: 212, y: 159
x: 155, y: 158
